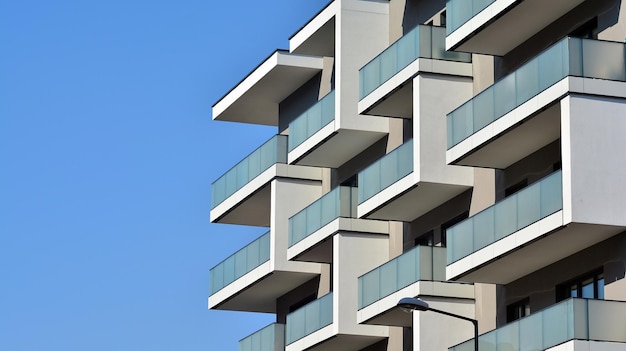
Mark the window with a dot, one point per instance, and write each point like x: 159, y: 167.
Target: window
x: 517, y: 310
x: 442, y: 19
x: 589, y: 286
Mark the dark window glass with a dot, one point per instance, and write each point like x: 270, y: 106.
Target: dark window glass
x: 517, y: 310
x: 588, y: 286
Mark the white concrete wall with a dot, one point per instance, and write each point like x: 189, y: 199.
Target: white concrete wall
x: 353, y: 255
x: 285, y: 205
x: 436, y: 332
x: 594, y: 159
x: 362, y: 33
x: 433, y: 97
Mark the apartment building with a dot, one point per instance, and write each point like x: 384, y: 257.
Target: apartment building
x: 468, y: 153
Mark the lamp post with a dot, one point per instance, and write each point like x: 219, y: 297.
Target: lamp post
x: 411, y: 304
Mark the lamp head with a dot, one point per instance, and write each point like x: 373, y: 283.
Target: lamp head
x: 410, y: 304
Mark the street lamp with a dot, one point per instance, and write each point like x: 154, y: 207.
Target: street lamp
x: 410, y: 304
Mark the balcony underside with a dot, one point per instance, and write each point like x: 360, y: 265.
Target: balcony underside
x: 489, y: 32
x: 397, y: 103
x: 317, y: 37
x: 251, y: 205
x: 528, y: 250
x: 385, y: 311
x: 528, y: 127
x: 515, y: 143
x: 330, y: 148
x: 325, y: 340
x: 406, y: 200
x: 394, y: 98
x: 318, y: 248
x: 255, y: 99
x: 248, y: 294
x: 252, y: 210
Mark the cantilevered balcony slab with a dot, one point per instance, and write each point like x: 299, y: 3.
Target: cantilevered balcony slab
x: 386, y: 82
x: 573, y: 324
x: 484, y: 26
x: 400, y: 186
x: 545, y: 222
x: 243, y: 194
x: 317, y: 37
x: 329, y: 323
x: 525, y: 111
x: 311, y: 228
x: 320, y: 137
x: 254, y: 277
x: 419, y: 272
x: 255, y: 99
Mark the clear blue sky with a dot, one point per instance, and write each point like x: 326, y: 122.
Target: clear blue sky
x: 107, y: 154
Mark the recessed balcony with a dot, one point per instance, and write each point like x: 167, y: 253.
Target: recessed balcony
x: 386, y: 82
x: 531, y: 229
x: 270, y: 338
x: 251, y: 279
x: 574, y: 324
x: 526, y: 110
x: 256, y: 98
x: 400, y: 187
x: 310, y: 229
x: 484, y: 26
x: 243, y: 194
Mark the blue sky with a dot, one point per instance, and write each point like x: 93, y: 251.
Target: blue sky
x: 107, y: 154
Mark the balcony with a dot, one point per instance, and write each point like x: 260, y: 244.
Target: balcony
x: 310, y: 318
x: 531, y: 229
x: 270, y: 338
x: 400, y: 187
x: 580, y: 322
x: 483, y: 26
x: 311, y: 121
x: 419, y: 263
x: 321, y: 325
x: 256, y: 98
x: 386, y: 82
x: 317, y: 36
x: 242, y: 195
x: 417, y: 272
x: 249, y: 279
x: 310, y: 228
x: 337, y: 135
x: 528, y: 109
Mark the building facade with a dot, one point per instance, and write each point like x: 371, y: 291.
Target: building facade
x: 469, y: 153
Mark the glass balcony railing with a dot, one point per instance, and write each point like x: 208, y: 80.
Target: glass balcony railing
x: 387, y: 170
x: 568, y: 57
x: 272, y: 152
x: 460, y: 11
x: 420, y: 263
x: 311, y: 121
x: 340, y: 202
x: 572, y: 319
x: 421, y: 42
x: 517, y: 211
x: 309, y: 318
x: 270, y: 338
x: 240, y: 263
